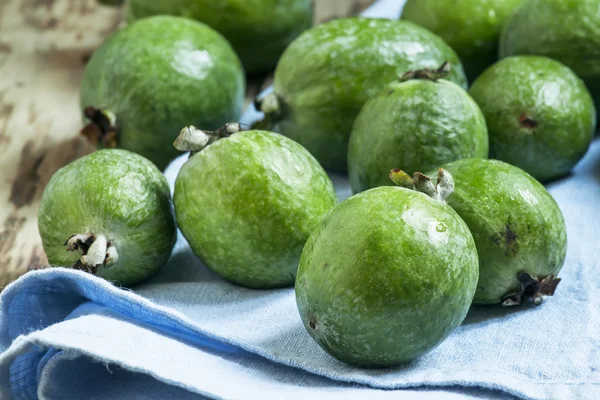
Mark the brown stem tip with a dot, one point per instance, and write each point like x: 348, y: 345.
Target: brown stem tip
x: 428, y: 73
x: 527, y: 122
x: 102, y: 129
x: 531, y: 288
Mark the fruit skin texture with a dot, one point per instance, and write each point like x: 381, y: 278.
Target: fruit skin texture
x: 388, y: 275
x: 247, y: 203
x: 516, y: 223
x: 471, y: 27
x: 116, y: 193
x: 330, y: 71
x: 160, y: 74
x: 565, y: 30
x: 259, y: 30
x: 415, y: 126
x: 540, y: 115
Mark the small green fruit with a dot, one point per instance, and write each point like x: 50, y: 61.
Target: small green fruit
x: 540, y: 115
x: 329, y: 72
x: 151, y: 78
x: 518, y: 228
x: 565, y: 30
x: 258, y: 30
x: 416, y: 124
x: 471, y: 27
x: 108, y: 213
x: 247, y: 202
x: 388, y: 275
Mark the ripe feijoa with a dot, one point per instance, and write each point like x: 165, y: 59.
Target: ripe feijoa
x: 328, y: 73
x: 416, y: 124
x: 518, y: 228
x: 246, y: 202
x: 108, y: 213
x: 540, y: 115
x: 258, y: 30
x: 471, y: 27
x: 151, y: 78
x: 388, y: 275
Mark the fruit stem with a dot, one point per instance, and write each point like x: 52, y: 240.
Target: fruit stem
x: 193, y: 139
x: 428, y: 73
x: 422, y: 183
x: 271, y: 107
x: 96, y: 251
x: 102, y: 129
x: 531, y: 288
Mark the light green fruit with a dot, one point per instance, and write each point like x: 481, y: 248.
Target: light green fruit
x: 389, y: 274
x: 108, y: 213
x: 258, y: 30
x: 415, y: 125
x: 471, y: 27
x: 540, y: 115
x: 151, y: 78
x: 518, y: 228
x: 247, y: 202
x: 328, y: 73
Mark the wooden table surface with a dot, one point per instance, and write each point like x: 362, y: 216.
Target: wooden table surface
x: 44, y: 45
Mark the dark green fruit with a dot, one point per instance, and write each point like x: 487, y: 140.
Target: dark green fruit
x: 471, y: 27
x: 247, y: 203
x: 540, y: 115
x: 329, y: 72
x: 565, y: 30
x: 108, y: 213
x: 148, y: 80
x: 259, y: 30
x: 416, y: 124
x: 388, y: 275
x: 518, y: 228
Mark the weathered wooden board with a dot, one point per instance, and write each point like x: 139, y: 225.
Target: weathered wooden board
x: 43, y: 48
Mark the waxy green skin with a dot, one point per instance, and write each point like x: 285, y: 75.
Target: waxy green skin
x: 258, y: 30
x: 388, y: 275
x: 516, y: 224
x: 160, y: 74
x: 471, y: 27
x: 540, y: 115
x: 247, y: 203
x: 329, y: 72
x: 565, y: 30
x: 415, y: 126
x: 118, y: 194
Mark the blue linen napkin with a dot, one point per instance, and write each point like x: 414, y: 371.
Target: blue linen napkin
x: 188, y: 334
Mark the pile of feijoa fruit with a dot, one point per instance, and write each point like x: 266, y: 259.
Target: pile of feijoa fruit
x: 448, y: 209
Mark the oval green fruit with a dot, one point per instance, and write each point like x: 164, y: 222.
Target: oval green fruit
x: 540, y: 115
x: 259, y: 30
x: 471, y: 27
x: 388, y: 275
x: 108, y: 213
x: 518, y: 228
x: 247, y: 203
x: 415, y: 125
x: 565, y: 30
x: 155, y: 76
x: 329, y: 72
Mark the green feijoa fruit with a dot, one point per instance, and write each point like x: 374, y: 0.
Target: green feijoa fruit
x: 415, y: 124
x: 540, y: 115
x: 388, y: 275
x: 151, y: 78
x: 518, y: 228
x: 108, y: 213
x: 329, y: 72
x: 565, y: 30
x: 246, y: 203
x: 471, y: 27
x: 259, y: 30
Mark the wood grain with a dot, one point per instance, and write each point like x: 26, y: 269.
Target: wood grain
x: 43, y: 48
